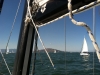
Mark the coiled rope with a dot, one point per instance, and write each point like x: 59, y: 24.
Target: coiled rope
x: 86, y: 26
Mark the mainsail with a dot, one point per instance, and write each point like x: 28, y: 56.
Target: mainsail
x: 54, y: 51
x: 84, y: 48
x: 7, y: 51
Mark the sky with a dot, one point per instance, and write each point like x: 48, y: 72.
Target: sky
x: 53, y: 34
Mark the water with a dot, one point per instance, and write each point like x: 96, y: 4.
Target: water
x: 75, y: 64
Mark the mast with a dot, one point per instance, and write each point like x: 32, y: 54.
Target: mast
x: 34, y: 55
x: 25, y: 45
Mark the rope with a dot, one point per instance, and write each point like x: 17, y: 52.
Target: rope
x: 5, y: 62
x: 38, y: 4
x: 65, y: 45
x: 87, y: 28
x: 39, y: 35
x: 93, y: 33
x: 43, y: 2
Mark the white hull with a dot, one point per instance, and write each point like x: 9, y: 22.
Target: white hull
x: 84, y: 54
x: 54, y: 52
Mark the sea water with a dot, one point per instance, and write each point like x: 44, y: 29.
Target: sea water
x: 65, y: 64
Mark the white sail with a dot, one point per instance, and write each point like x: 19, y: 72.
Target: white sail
x: 7, y: 51
x: 84, y: 48
x: 54, y: 51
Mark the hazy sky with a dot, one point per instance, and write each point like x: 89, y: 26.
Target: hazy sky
x: 53, y: 35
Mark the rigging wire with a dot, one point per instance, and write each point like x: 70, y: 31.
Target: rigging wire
x: 93, y: 33
x: 38, y: 34
x: 11, y: 34
x: 38, y: 50
x: 35, y: 52
x: 34, y: 55
x: 65, y: 45
x: 13, y: 23
x: 5, y: 62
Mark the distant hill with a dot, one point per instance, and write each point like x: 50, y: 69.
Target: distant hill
x: 49, y: 50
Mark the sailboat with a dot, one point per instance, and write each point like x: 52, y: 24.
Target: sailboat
x: 84, y: 51
x: 7, y: 51
x: 51, y: 10
x: 12, y: 51
x: 54, y: 51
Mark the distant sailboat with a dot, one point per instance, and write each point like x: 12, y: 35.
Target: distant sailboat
x: 12, y: 51
x: 84, y: 48
x: 54, y: 51
x: 7, y: 51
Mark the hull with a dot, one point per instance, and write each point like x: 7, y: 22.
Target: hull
x: 84, y: 54
x: 6, y: 53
